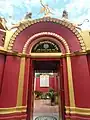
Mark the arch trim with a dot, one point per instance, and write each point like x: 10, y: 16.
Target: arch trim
x: 47, y: 34
x: 64, y: 23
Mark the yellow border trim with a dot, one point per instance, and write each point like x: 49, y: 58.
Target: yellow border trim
x: 79, y: 111
x: 13, y: 110
x: 46, y: 55
x: 21, y: 82
x: 2, y: 48
x: 70, y: 82
x: 78, y: 53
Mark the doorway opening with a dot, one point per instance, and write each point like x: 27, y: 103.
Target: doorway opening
x: 47, y: 98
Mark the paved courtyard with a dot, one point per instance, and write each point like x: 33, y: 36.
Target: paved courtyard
x: 43, y: 108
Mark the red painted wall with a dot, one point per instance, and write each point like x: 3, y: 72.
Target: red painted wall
x: 30, y: 90
x: 2, y: 62
x: 88, y: 60
x: 13, y: 116
x: 81, y: 80
x: 8, y: 96
x: 52, y: 84
x: 65, y: 78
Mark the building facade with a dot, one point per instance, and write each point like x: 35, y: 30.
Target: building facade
x: 18, y: 50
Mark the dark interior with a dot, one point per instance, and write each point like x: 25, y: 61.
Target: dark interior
x: 45, y: 66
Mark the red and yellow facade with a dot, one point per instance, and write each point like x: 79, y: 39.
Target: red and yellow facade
x: 16, y: 71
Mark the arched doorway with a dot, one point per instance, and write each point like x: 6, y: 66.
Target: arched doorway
x: 43, y: 49
x: 64, y: 35
x: 17, y: 68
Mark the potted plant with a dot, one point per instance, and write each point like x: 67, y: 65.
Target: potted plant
x: 38, y: 94
x: 51, y: 94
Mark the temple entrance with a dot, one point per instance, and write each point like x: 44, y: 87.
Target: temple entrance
x: 47, y: 88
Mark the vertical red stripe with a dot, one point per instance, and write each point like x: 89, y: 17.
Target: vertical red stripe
x: 8, y: 96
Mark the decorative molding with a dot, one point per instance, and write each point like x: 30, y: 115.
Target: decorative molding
x: 64, y: 23
x: 32, y: 55
x: 3, y: 30
x: 2, y: 49
x: 21, y: 82
x: 46, y: 34
x: 77, y: 110
x: 11, y: 110
x: 49, y: 55
x: 70, y: 82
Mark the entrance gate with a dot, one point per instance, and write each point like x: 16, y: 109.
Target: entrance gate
x: 52, y: 64
x: 44, y: 39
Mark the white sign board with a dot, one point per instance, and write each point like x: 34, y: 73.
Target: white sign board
x: 44, y: 80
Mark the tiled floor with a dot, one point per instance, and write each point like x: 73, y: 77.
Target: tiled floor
x: 43, y: 108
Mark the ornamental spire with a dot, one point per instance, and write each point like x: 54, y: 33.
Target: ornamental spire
x: 65, y: 14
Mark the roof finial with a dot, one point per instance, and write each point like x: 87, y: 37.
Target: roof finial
x: 28, y: 15
x: 45, y: 9
x: 65, y: 14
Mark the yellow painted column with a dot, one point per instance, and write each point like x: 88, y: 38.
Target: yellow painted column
x: 21, y: 82
x: 70, y: 84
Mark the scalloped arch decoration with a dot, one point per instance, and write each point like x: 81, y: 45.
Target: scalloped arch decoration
x: 47, y: 33
x: 64, y: 23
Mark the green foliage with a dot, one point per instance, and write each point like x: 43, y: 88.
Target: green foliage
x: 51, y: 90
x: 38, y: 75
x: 52, y: 95
x: 38, y: 93
x: 44, y: 96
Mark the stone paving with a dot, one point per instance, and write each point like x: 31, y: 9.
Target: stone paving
x: 43, y: 108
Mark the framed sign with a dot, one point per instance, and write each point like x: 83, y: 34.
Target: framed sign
x: 46, y: 46
x: 44, y: 80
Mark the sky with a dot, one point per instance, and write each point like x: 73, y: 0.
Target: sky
x: 14, y: 10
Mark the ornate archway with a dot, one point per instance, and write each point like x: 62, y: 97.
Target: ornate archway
x: 60, y: 27
x: 63, y: 35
